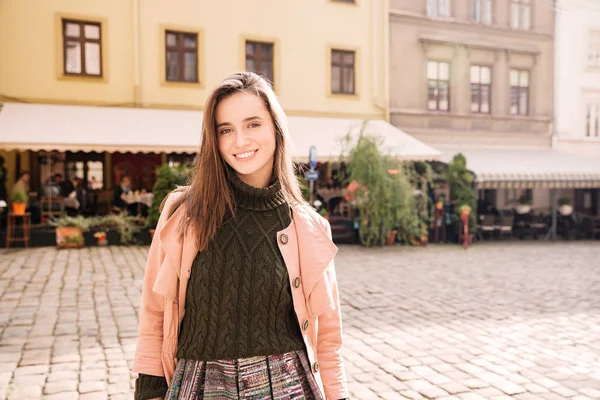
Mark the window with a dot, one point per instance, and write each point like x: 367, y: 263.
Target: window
x: 342, y: 71
x: 592, y: 128
x: 259, y: 59
x: 519, y: 92
x: 594, y: 49
x: 520, y: 14
x: 481, y: 81
x: 181, y: 52
x: 82, y: 48
x: 482, y: 11
x: 438, y: 86
x: 438, y: 8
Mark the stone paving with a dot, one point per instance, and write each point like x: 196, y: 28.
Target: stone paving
x: 500, y: 321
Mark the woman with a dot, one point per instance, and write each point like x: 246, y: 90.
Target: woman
x: 240, y: 298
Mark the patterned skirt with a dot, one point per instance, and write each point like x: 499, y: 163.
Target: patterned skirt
x: 286, y: 376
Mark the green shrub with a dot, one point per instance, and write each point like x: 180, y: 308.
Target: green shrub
x: 167, y: 179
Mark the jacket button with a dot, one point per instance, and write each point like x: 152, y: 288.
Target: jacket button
x: 283, y: 238
x: 305, y: 325
x: 316, y: 367
x: 297, y: 283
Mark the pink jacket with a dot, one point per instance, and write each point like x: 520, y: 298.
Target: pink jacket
x: 308, y: 254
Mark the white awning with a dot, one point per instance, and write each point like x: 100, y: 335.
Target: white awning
x: 136, y: 130
x: 498, y: 168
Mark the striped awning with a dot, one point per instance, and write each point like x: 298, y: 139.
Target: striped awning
x: 135, y: 130
x: 513, y: 168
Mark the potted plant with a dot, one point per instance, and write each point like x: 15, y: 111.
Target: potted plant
x: 69, y: 231
x: 101, y: 237
x: 524, y: 206
x: 383, y: 199
x: 390, y: 239
x: 19, y: 202
x: 122, y: 225
x: 462, y: 194
x: 565, y: 206
x: 167, y: 179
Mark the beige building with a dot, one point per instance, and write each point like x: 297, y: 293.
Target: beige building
x: 91, y: 81
x: 476, y: 76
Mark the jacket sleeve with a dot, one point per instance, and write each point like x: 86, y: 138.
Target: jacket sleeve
x: 147, y: 359
x: 329, y: 342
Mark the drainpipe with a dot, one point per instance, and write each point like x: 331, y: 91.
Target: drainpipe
x: 137, y: 72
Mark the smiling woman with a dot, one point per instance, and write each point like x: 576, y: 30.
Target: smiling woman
x: 247, y: 137
x: 240, y: 280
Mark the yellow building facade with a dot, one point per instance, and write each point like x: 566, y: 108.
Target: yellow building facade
x: 133, y: 51
x: 115, y: 53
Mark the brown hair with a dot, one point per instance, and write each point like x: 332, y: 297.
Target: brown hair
x: 208, y: 198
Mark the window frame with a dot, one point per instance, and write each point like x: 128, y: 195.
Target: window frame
x: 519, y: 89
x: 521, y: 5
x: 592, y: 121
x: 480, y: 85
x: 434, y: 12
x: 477, y: 12
x: 260, y: 43
x: 437, y: 86
x: 181, y: 50
x: 82, y: 40
x: 343, y: 67
x: 593, y: 48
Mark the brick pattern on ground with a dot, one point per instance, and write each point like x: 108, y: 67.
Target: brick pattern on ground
x: 499, y: 321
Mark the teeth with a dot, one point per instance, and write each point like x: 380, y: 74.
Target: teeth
x: 245, y: 155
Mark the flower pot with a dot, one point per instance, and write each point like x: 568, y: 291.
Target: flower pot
x: 523, y: 209
x: 390, y: 239
x: 566, y: 209
x: 19, y: 208
x: 69, y: 237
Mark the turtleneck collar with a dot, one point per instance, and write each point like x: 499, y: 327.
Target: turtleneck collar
x: 257, y: 199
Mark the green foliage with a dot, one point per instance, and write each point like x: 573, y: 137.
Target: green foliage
x: 461, y: 180
x: 19, y: 197
x: 167, y: 179
x: 81, y: 222
x: 564, y: 201
x: 124, y: 224
x: 304, y: 187
x: 384, y: 200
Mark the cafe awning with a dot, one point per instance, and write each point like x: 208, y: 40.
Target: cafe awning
x: 137, y: 130
x: 508, y: 168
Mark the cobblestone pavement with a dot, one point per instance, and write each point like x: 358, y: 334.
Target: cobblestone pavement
x: 511, y: 321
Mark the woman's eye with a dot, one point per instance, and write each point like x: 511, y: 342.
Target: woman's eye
x: 224, y: 131
x: 253, y: 125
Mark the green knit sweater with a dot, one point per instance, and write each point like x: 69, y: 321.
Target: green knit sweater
x: 238, y: 300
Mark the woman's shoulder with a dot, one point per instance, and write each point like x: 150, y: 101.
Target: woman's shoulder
x: 311, y: 215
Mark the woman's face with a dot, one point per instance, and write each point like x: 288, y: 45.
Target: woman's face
x: 246, y: 137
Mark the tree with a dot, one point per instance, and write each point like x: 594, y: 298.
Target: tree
x: 167, y: 179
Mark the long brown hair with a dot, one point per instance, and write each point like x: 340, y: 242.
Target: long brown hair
x: 208, y: 198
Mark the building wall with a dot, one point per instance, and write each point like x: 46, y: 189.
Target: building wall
x: 132, y: 27
x: 577, y: 83
x: 416, y: 38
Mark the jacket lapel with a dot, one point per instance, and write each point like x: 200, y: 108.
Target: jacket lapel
x: 315, y: 248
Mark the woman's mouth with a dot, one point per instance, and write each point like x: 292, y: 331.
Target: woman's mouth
x: 246, y: 155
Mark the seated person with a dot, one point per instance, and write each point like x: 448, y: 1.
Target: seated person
x: 119, y: 203
x: 76, y: 201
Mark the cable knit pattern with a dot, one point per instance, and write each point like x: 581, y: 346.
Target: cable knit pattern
x: 239, y: 301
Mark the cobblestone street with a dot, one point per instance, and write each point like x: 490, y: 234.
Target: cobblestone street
x: 509, y: 321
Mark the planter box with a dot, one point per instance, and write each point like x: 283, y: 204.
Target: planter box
x: 69, y: 237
